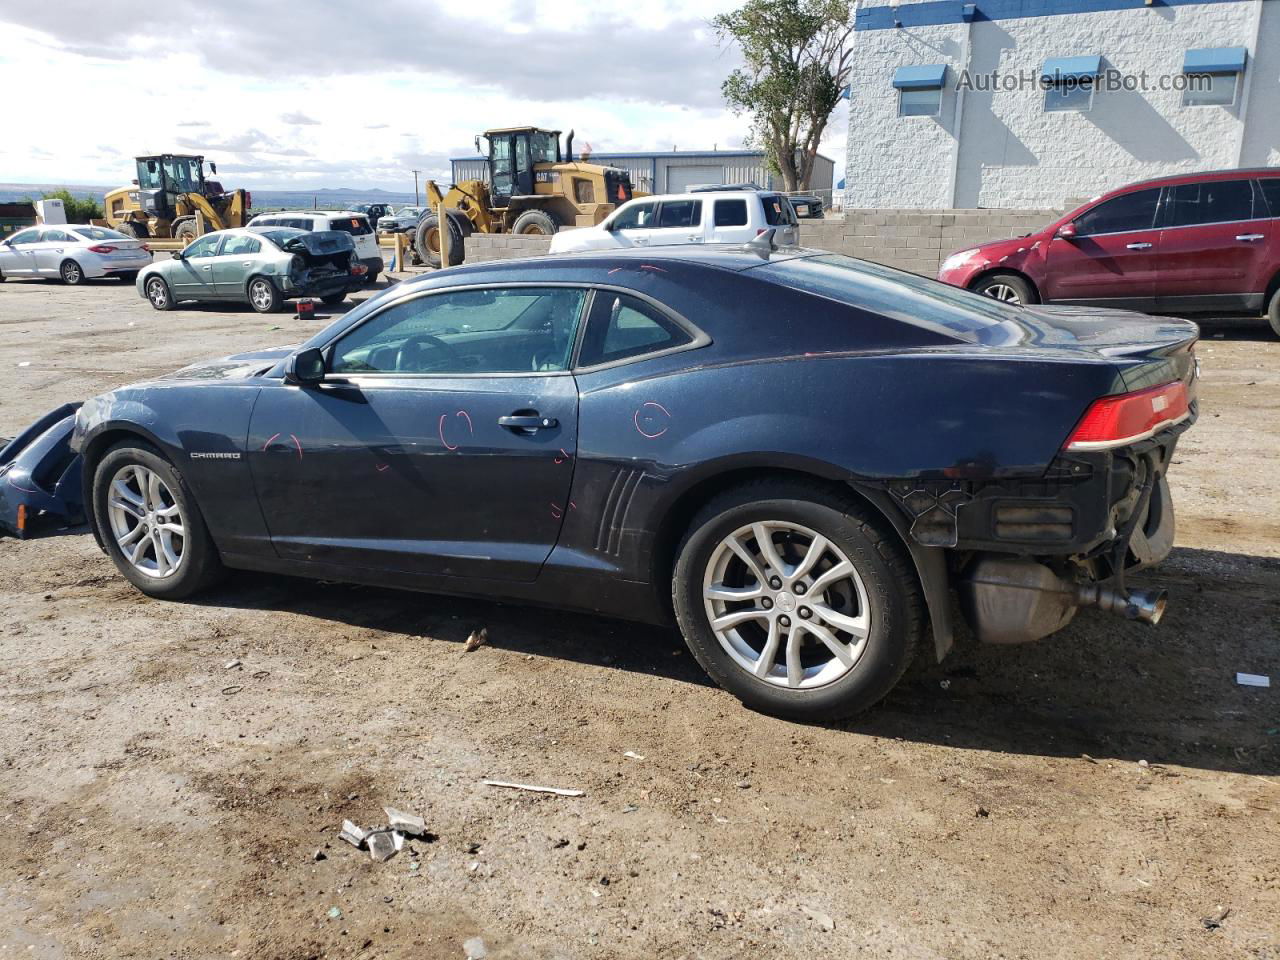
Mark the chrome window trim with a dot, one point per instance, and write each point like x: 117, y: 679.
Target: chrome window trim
x: 699, y: 338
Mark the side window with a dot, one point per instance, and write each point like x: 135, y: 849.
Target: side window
x: 638, y: 217
x: 206, y: 246
x: 680, y: 213
x: 1129, y: 211
x: 241, y: 246
x: 1271, y: 190
x: 26, y: 236
x: 56, y: 236
x: 777, y: 210
x: 622, y: 326
x: 1216, y: 201
x: 731, y: 213
x: 504, y: 330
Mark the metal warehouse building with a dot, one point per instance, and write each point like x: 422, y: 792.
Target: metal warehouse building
x: 677, y: 171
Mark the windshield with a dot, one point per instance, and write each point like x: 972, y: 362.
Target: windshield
x: 183, y: 173
x: 545, y: 148
x: 100, y: 233
x: 894, y: 293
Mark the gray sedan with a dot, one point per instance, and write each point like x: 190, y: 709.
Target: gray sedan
x: 261, y: 266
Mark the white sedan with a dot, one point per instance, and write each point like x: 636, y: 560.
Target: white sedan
x: 73, y: 253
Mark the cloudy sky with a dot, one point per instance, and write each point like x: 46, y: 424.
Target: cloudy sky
x: 330, y: 94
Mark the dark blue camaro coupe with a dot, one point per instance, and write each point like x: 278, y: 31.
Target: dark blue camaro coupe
x: 798, y: 456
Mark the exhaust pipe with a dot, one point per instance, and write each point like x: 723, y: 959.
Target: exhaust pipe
x: 1146, y: 606
x: 1016, y: 600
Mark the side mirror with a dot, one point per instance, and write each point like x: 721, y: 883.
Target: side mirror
x: 1067, y: 231
x: 134, y: 182
x: 607, y: 226
x: 305, y: 368
x: 213, y: 167
x: 178, y: 255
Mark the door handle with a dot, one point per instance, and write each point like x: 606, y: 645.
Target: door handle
x: 1250, y: 237
x: 640, y: 241
x: 246, y: 263
x: 1137, y: 246
x: 528, y: 422
x: 206, y: 268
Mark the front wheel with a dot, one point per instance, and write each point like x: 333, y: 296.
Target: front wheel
x: 535, y: 223
x: 71, y: 272
x: 1006, y: 287
x: 158, y: 294
x: 1273, y: 313
x: 795, y: 602
x: 147, y: 517
x: 263, y: 295
x: 426, y: 241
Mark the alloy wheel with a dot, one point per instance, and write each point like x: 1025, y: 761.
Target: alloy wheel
x: 158, y: 293
x: 146, y: 521
x: 260, y: 294
x: 787, y: 604
x: 71, y: 272
x: 1004, y: 292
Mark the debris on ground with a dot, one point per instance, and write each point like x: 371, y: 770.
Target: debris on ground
x: 475, y: 948
x: 477, y: 639
x: 1252, y: 680
x: 632, y: 755
x: 382, y: 845
x: 982, y: 812
x: 406, y: 823
x: 821, y: 919
x: 231, y: 665
x: 335, y: 913
x: 1214, y: 920
x: 319, y: 855
x: 558, y: 791
x: 232, y: 690
x: 352, y: 834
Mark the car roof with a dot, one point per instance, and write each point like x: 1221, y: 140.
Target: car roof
x: 705, y: 195
x: 1177, y: 178
x: 733, y: 257
x: 311, y: 213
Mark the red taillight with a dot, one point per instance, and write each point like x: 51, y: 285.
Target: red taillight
x: 1129, y: 417
x: 146, y: 247
x: 760, y: 231
x: 102, y: 248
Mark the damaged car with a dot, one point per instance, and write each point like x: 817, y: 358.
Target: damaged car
x: 260, y: 266
x: 800, y: 459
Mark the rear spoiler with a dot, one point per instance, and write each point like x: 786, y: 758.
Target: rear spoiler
x: 320, y: 243
x: 40, y: 474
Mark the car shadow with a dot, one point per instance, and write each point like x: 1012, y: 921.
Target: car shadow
x: 1103, y: 687
x: 1237, y: 328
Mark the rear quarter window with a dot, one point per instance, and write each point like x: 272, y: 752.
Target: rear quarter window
x: 777, y: 210
x: 906, y: 297
x: 356, y: 226
x: 1271, y: 190
x: 731, y: 213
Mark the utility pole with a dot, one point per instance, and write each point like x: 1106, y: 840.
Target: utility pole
x: 416, y: 201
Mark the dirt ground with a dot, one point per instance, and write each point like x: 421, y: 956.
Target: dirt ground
x: 1095, y: 795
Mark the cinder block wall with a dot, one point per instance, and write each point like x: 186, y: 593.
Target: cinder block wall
x: 917, y: 240
x: 914, y: 240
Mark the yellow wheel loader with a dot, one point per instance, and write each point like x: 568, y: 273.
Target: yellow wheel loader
x: 169, y: 190
x: 532, y: 188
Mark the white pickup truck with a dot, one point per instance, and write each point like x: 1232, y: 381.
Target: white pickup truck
x: 708, y: 216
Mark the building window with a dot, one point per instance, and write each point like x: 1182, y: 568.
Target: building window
x: 920, y: 103
x: 920, y: 89
x: 1212, y: 76
x: 1069, y: 83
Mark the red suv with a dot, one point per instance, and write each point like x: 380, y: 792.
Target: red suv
x: 1198, y: 244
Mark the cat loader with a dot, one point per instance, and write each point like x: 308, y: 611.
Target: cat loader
x: 165, y: 197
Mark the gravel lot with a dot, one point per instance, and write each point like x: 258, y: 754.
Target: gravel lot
x: 1094, y: 795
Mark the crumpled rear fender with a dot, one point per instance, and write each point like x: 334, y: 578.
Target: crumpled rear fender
x: 40, y: 473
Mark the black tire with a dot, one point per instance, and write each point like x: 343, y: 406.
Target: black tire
x: 2, y: 277
x: 535, y: 223
x: 1273, y: 313
x: 185, y: 231
x: 158, y: 293
x: 263, y: 295
x: 199, y: 565
x: 427, y: 244
x: 892, y: 598
x: 333, y: 298
x: 130, y: 229
x: 1007, y: 287
x: 72, y: 273
x: 371, y: 278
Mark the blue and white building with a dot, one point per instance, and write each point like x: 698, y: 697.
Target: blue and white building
x: 1038, y: 103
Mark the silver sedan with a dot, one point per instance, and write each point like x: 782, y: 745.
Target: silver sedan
x: 72, y: 252
x: 261, y: 266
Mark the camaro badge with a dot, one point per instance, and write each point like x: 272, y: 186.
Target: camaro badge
x: 215, y: 456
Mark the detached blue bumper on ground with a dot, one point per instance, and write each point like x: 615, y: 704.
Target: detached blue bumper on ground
x: 39, y: 473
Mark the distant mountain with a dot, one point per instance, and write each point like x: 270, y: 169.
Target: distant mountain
x: 263, y: 199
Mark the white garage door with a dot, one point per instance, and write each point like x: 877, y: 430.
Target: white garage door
x: 680, y: 179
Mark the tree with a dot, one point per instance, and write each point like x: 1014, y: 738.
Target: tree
x: 77, y: 209
x: 797, y: 57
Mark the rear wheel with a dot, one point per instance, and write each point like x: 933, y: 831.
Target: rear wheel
x: 795, y: 602
x: 535, y: 223
x: 333, y: 298
x: 371, y: 278
x: 427, y: 241
x: 1273, y: 313
x: 1006, y: 287
x: 130, y: 229
x: 158, y: 294
x: 147, y: 517
x: 263, y: 295
x: 71, y: 273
